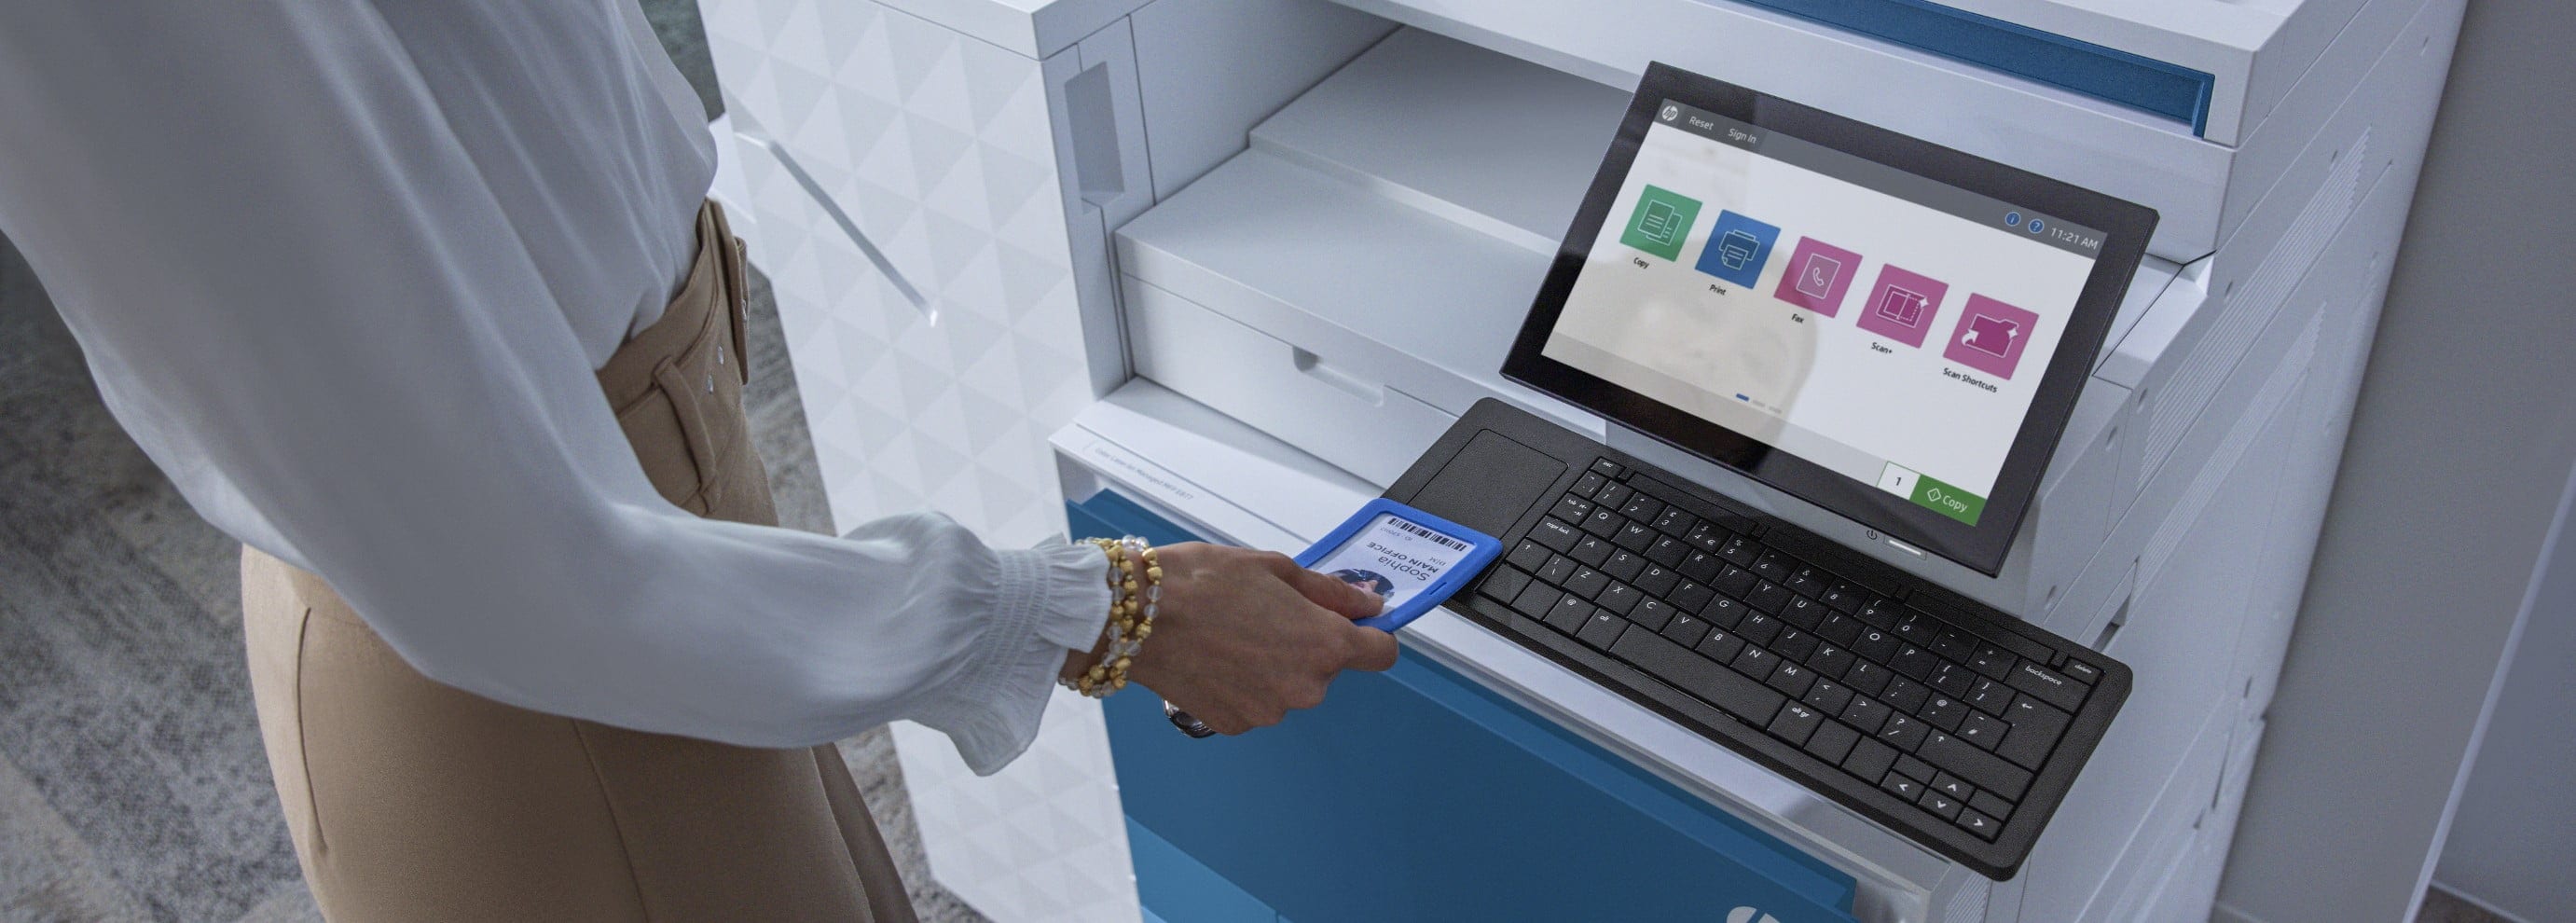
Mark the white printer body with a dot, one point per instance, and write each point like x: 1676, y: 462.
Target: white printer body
x: 1238, y: 262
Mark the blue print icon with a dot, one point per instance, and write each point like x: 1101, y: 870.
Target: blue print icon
x: 1737, y: 248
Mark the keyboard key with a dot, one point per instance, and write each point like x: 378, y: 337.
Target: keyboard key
x: 1772, y: 566
x: 1667, y: 551
x: 1699, y: 676
x: 1572, y: 508
x: 1587, y: 582
x: 1916, y: 627
x: 2081, y: 672
x: 1790, y: 678
x: 1592, y: 551
x: 1842, y: 597
x: 1984, y: 827
x: 1866, y: 713
x: 1625, y: 565
x: 1902, y: 732
x: 1803, y: 612
x: 1685, y: 630
x: 1754, y: 662
x: 1902, y: 787
x: 1657, y: 580
x: 1953, y: 786
x: 1553, y: 533
x: 1916, y: 770
x: 1982, y: 729
x: 1700, y: 565
x: 1767, y: 596
x: 1758, y: 628
x: 1878, y: 613
x: 1839, y: 628
x: 1537, y: 601
x: 1721, y: 645
x: 1905, y: 695
x: 1675, y: 522
x: 1989, y: 696
x: 1869, y: 759
x: 1794, y: 644
x: 1724, y: 611
x: 1828, y: 695
x: 1739, y: 550
x: 1634, y: 537
x: 1619, y: 598
x: 1558, y: 569
x: 1506, y: 584
x: 1691, y: 595
x: 1991, y: 805
x: 1614, y: 494
x: 1591, y: 481
x: 1992, y: 661
x: 1876, y: 645
x: 2035, y: 729
x: 1943, y: 712
x: 2048, y: 685
x: 1570, y: 614
x: 1604, y: 522
x: 1831, y: 661
x: 1607, y: 468
x: 1642, y: 508
x: 1602, y: 631
x: 1980, y: 768
x: 1654, y: 614
x: 1528, y: 555
x: 1940, y: 804
x: 1808, y: 582
x: 1953, y: 644
x: 1735, y: 581
x: 1909, y: 660
x: 1867, y: 678
x: 1951, y: 678
x: 1708, y: 537
x: 1832, y: 741
x: 1795, y: 723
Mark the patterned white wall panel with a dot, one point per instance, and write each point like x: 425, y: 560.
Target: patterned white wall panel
x: 940, y: 149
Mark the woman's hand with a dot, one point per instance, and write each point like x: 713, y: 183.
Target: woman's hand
x: 1243, y: 637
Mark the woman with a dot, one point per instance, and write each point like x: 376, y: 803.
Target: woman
x: 421, y: 303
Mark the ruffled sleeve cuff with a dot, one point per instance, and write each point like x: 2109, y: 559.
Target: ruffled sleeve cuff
x: 1049, y: 600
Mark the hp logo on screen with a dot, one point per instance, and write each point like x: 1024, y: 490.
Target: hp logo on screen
x: 1749, y: 915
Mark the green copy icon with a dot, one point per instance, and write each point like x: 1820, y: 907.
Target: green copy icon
x: 1948, y: 501
x: 1662, y: 219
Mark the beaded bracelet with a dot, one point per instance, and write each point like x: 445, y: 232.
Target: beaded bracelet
x: 1136, y: 586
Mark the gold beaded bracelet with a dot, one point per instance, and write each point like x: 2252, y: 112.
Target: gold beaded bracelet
x: 1136, y: 587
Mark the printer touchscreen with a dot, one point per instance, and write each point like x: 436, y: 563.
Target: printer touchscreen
x: 1879, y: 324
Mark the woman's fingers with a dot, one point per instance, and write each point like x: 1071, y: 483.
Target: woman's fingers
x: 1371, y: 649
x: 1350, y: 602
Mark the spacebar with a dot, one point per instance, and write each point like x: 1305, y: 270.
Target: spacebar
x: 1738, y: 694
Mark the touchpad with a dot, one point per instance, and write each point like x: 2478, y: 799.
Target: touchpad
x: 1489, y: 483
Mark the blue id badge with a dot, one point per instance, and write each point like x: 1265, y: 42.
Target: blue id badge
x: 1412, y: 559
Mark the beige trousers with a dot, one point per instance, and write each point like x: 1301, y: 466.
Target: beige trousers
x: 410, y: 800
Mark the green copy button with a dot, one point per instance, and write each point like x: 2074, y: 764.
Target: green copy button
x: 1662, y: 219
x: 1947, y: 500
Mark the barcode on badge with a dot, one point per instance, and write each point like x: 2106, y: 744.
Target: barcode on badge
x: 1435, y: 537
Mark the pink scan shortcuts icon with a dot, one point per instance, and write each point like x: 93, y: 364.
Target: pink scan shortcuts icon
x: 1991, y: 336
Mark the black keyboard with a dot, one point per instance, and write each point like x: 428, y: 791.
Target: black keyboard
x: 1936, y: 716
